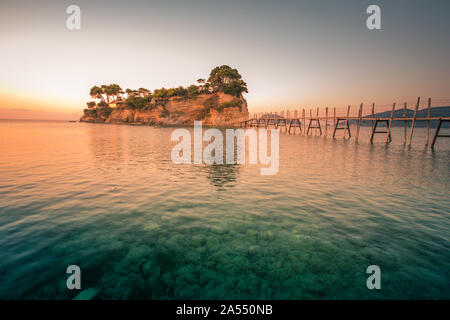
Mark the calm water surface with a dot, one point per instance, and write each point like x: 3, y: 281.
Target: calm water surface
x: 109, y: 199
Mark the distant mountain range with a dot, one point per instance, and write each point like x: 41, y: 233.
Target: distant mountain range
x: 435, y: 112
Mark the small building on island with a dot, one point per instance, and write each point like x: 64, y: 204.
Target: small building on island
x: 116, y: 103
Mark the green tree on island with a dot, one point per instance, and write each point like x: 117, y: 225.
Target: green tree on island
x: 131, y: 93
x: 221, y: 79
x: 138, y: 99
x: 137, y: 102
x: 97, y: 93
x: 91, y: 104
x: 144, y: 93
x: 106, y: 93
x: 112, y: 91
x: 227, y: 80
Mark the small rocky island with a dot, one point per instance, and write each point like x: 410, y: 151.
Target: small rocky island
x: 217, y: 101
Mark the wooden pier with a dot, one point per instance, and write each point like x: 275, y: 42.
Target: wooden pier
x: 314, y: 122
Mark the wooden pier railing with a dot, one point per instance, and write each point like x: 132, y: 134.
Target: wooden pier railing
x: 283, y: 119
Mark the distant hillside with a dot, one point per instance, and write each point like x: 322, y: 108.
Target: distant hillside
x: 435, y: 112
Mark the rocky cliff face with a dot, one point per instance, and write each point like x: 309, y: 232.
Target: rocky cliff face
x: 216, y: 109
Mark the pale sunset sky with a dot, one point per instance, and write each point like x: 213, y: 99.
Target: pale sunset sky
x: 291, y: 53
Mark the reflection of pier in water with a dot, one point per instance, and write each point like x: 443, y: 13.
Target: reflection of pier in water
x: 306, y: 124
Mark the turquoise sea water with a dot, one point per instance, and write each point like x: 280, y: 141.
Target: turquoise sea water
x: 108, y: 199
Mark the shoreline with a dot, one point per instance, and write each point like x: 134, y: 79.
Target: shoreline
x: 137, y: 124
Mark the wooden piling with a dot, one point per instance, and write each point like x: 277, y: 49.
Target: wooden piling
x: 428, y: 121
x: 326, y: 121
x: 388, y: 133
x: 318, y: 121
x: 374, y: 128
x: 286, y: 117
x: 290, y: 122
x: 359, y: 121
x: 290, y: 126
x: 309, y: 122
x: 334, y: 116
x: 335, y: 124
x: 310, y: 119
x: 414, y: 121
x: 334, y: 129
x: 346, y: 123
x: 304, y: 120
x: 405, y: 124
x: 436, y: 134
x: 373, y: 113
